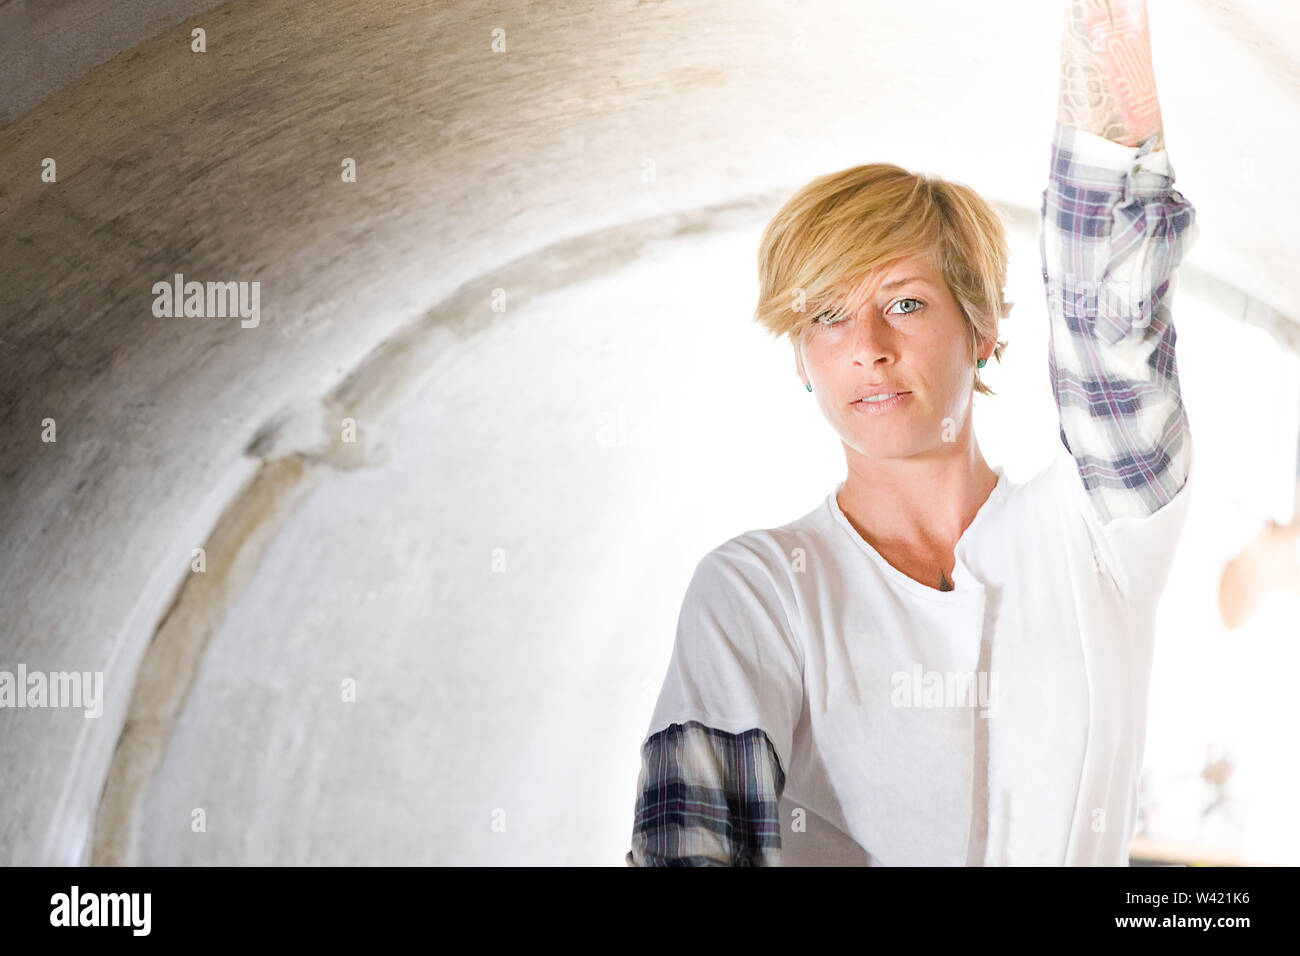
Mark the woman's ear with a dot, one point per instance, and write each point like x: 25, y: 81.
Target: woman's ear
x: 798, y: 361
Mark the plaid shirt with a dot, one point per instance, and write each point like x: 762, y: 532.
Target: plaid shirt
x: 1113, y: 229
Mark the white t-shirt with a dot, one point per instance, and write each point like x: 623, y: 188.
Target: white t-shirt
x: 854, y: 671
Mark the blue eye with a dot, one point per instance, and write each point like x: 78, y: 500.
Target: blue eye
x: 833, y: 317
x: 909, y: 311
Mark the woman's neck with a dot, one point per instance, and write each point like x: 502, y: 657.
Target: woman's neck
x: 917, y: 505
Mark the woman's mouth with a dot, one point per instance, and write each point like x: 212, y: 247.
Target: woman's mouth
x: 879, y: 404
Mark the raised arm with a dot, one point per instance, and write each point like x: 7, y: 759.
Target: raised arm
x: 1113, y: 230
x: 1108, y: 86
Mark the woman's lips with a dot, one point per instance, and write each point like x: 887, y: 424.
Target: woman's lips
x: 881, y: 407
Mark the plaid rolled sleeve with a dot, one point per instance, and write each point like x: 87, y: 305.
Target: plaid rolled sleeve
x: 1113, y: 231
x: 718, y: 746
x: 707, y: 798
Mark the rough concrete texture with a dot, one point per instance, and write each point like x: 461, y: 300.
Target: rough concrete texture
x: 496, y: 560
x: 45, y: 44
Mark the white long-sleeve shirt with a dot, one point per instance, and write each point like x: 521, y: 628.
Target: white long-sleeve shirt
x: 821, y: 707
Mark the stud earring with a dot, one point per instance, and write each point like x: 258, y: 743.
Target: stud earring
x: 807, y: 386
x: 981, y: 363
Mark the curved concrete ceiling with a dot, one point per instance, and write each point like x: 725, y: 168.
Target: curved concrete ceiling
x: 601, y: 142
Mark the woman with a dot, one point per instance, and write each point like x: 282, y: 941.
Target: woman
x: 937, y: 666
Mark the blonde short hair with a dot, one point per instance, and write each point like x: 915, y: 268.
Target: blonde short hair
x: 843, y: 226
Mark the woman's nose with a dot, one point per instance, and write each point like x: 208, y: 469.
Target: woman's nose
x: 871, y: 338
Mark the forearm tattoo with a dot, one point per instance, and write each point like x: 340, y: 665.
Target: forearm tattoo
x: 1108, y: 86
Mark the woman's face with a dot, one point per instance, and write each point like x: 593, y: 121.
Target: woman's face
x: 900, y: 331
